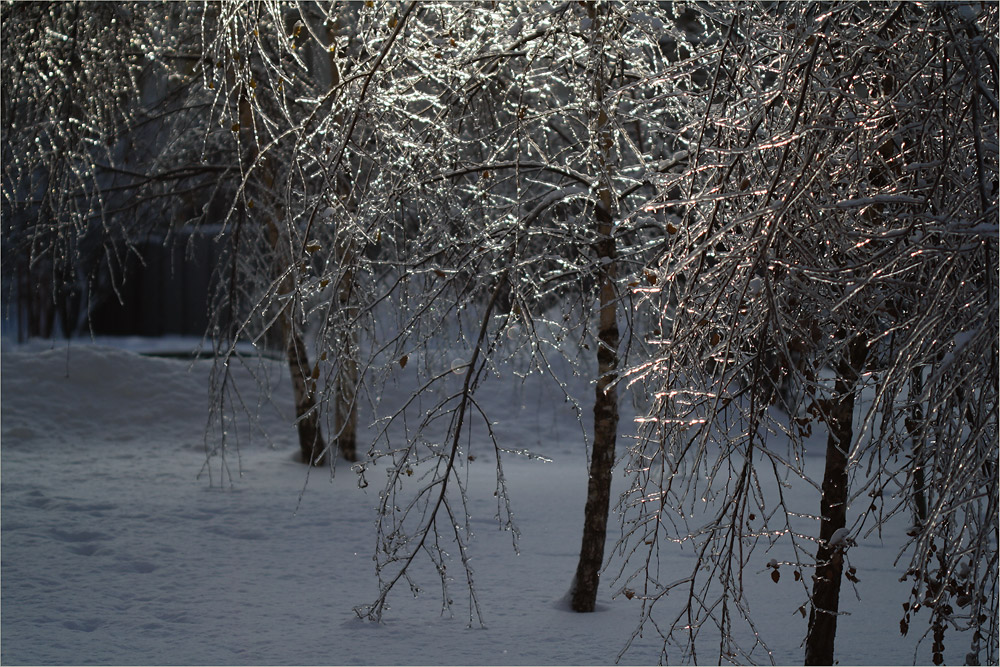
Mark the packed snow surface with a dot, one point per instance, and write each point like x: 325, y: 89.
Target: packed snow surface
x: 121, y: 547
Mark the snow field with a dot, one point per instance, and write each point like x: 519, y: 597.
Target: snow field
x: 116, y: 551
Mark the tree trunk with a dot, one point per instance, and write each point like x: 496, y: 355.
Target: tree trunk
x: 915, y: 431
x: 310, y: 433
x: 833, y: 506
x: 605, y: 434
x: 346, y: 410
x: 584, y: 592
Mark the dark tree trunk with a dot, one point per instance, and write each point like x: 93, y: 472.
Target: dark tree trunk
x: 605, y: 434
x: 584, y: 591
x: 917, y: 415
x: 833, y: 506
x: 346, y: 411
x: 310, y: 433
x: 347, y: 380
x: 304, y: 379
x: 303, y: 375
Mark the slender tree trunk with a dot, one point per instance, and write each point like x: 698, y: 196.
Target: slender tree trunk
x: 917, y: 415
x: 346, y: 412
x: 310, y: 432
x: 347, y: 380
x: 605, y: 434
x: 584, y: 593
x: 833, y: 506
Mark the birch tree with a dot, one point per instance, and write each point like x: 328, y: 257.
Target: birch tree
x: 576, y: 171
x: 489, y: 205
x: 825, y: 170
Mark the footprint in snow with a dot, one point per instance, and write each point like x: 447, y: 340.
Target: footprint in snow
x: 138, y: 566
x: 86, y: 549
x: 79, y: 535
x: 83, y: 624
x: 237, y: 533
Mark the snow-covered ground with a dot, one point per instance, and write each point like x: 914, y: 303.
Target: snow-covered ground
x: 118, y: 547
